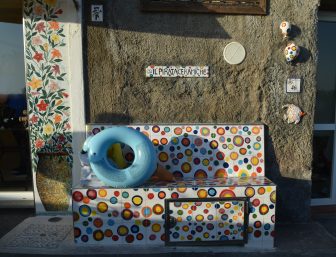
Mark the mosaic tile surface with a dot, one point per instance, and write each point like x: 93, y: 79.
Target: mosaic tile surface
x: 127, y: 216
x: 47, y: 83
x: 198, y: 221
x: 208, y: 161
x: 204, y: 151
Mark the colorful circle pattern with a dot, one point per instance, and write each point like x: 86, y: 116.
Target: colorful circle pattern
x: 200, y: 151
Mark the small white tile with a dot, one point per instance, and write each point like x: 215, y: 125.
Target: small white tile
x: 293, y: 85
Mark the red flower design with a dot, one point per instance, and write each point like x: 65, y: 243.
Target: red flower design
x: 42, y: 105
x: 66, y: 95
x: 59, y: 11
x: 56, y: 69
x: 61, y: 138
x: 40, y: 27
x: 67, y: 126
x: 39, y: 143
x: 34, y: 119
x: 38, y: 56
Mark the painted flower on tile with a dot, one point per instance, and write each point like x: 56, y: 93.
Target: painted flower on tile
x: 61, y: 138
x: 38, y: 56
x: 58, y: 118
x: 40, y: 27
x: 59, y: 11
x: 56, y: 53
x: 67, y: 126
x: 54, y: 25
x: 35, y: 83
x: 45, y: 47
x: 42, y: 106
x: 34, y: 119
x: 53, y: 86
x: 59, y: 102
x: 56, y: 69
x: 48, y: 129
x: 37, y: 40
x: 55, y: 38
x: 35, y: 93
x: 39, y: 143
x: 47, y: 85
x: 38, y: 10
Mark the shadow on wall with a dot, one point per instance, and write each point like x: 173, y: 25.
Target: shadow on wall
x: 115, y: 118
x: 293, y: 195
x: 127, y: 15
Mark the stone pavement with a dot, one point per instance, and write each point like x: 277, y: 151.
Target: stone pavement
x: 317, y: 238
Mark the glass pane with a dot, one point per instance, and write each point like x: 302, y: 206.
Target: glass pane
x: 15, y: 168
x: 326, y: 73
x: 322, y: 163
x: 12, y: 80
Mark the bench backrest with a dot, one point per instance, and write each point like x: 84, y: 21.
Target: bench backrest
x: 204, y: 151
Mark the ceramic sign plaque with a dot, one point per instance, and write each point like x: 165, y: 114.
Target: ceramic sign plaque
x: 97, y: 13
x: 153, y: 71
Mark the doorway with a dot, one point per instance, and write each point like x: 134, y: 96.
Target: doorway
x: 16, y: 186
x: 324, y: 140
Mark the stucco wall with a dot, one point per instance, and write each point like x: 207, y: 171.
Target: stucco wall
x: 118, y: 92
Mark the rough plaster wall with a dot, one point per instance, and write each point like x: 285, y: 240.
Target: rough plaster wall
x: 118, y: 92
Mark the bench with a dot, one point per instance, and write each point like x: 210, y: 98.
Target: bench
x: 220, y: 197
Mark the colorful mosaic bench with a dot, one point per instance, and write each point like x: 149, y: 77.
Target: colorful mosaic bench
x: 221, y: 195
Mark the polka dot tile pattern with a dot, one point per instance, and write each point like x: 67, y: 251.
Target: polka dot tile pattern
x: 134, y: 216
x: 208, y: 161
x: 206, y: 221
x: 204, y: 151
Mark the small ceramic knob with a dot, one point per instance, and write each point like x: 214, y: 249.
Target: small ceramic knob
x: 291, y: 52
x: 285, y: 27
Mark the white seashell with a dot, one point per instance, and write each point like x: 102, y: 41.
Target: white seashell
x: 293, y: 113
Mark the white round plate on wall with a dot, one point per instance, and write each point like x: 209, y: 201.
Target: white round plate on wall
x: 234, y: 53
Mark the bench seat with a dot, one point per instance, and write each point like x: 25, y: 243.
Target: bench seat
x: 205, y: 209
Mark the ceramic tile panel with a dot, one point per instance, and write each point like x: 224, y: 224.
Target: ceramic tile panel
x: 47, y: 27
x: 231, y: 219
x: 95, y: 213
x: 205, y: 221
x: 181, y: 221
x: 205, y: 151
x: 133, y: 232
x: 90, y: 204
x: 269, y: 217
x: 155, y: 203
x: 47, y: 82
x: 154, y: 71
x: 133, y: 201
x: 208, y: 161
x: 192, y: 183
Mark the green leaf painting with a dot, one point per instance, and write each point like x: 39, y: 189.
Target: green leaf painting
x: 46, y: 77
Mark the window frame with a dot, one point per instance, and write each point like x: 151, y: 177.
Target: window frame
x: 326, y: 16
